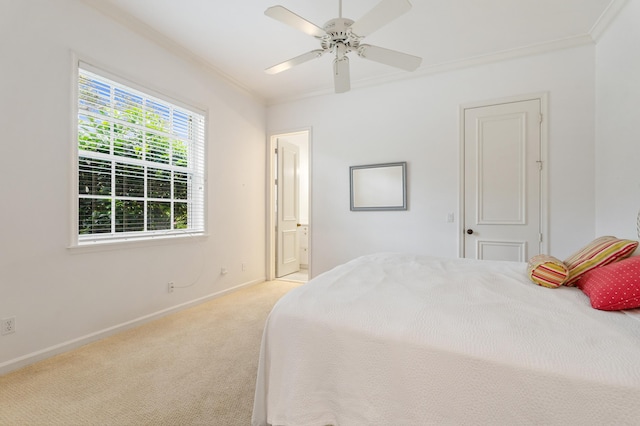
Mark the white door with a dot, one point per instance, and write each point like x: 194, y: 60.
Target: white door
x: 502, y: 187
x: 287, y: 251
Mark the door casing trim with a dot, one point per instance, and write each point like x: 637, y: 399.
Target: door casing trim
x: 272, y: 141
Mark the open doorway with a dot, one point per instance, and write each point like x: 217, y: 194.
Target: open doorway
x: 288, y: 210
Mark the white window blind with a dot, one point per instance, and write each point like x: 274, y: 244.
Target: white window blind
x: 140, y: 163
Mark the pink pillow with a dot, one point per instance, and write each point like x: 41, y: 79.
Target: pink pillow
x: 615, y: 286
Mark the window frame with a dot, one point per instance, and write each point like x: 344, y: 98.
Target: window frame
x: 196, y: 193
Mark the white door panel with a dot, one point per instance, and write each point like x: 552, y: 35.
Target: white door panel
x: 287, y: 251
x: 501, y: 250
x: 502, y: 181
x: 500, y: 171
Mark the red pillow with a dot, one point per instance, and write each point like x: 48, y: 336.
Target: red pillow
x: 615, y: 286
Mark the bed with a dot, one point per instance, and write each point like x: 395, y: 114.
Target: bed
x: 399, y: 339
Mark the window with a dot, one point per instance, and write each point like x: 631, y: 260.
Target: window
x: 140, y: 163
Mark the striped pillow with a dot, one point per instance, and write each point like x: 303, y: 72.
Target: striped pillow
x: 547, y: 271
x: 599, y: 252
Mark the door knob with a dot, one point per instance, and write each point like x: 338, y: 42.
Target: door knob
x: 469, y: 231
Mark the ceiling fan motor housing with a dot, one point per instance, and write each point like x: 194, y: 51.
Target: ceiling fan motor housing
x: 339, y: 32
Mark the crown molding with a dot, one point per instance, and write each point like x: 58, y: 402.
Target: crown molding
x: 607, y: 17
x: 134, y: 24
x: 505, y: 55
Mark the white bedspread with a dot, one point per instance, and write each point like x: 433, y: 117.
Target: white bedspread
x: 394, y: 339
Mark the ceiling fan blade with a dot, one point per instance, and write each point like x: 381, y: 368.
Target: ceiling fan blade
x: 389, y: 57
x: 383, y: 13
x: 286, y: 16
x: 283, y: 66
x: 341, y: 78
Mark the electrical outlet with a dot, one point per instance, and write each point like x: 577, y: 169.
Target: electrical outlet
x: 244, y: 267
x: 8, y: 325
x: 170, y: 287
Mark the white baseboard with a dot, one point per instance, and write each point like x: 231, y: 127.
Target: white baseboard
x: 23, y: 361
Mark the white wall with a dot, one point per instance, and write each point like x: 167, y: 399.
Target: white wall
x: 416, y: 120
x: 60, y: 295
x: 617, y: 125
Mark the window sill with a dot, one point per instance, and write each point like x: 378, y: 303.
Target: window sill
x: 134, y: 242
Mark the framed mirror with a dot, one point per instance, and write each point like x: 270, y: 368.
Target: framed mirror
x: 378, y: 187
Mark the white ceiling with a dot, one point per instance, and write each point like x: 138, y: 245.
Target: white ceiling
x: 235, y: 38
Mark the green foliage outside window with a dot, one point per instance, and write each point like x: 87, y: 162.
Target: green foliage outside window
x: 114, y: 195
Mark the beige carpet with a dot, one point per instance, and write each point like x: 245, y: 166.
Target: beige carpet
x: 195, y: 367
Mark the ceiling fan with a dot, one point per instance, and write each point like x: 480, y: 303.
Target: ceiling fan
x: 342, y: 35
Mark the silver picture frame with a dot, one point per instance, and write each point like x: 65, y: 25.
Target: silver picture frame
x: 377, y: 187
